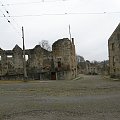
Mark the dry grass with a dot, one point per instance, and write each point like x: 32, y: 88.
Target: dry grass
x: 10, y: 81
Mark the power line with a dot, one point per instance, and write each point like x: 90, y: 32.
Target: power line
x: 10, y: 23
x: 26, y: 3
x: 8, y: 13
x: 8, y: 20
x: 55, y: 14
x: 4, y: 16
x: 4, y: 8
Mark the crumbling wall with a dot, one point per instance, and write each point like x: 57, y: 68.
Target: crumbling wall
x: 3, y: 63
x: 17, y: 60
x: 114, y: 53
x: 64, y: 58
x: 40, y: 63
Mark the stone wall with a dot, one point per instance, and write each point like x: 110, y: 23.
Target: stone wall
x: 114, y: 53
x: 64, y: 58
x: 60, y: 63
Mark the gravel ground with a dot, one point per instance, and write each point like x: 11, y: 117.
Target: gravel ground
x: 85, y: 98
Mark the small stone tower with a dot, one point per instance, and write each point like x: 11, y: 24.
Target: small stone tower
x: 64, y: 58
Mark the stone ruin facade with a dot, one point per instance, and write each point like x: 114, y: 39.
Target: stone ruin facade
x: 58, y: 64
x: 91, y: 68
x: 114, y: 53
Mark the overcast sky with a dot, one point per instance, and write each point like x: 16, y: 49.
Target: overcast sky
x: 92, y: 22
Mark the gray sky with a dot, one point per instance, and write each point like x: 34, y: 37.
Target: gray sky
x: 92, y: 22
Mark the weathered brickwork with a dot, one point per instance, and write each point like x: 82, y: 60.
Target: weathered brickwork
x: 60, y: 63
x: 114, y: 53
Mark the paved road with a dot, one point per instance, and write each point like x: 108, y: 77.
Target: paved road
x: 86, y: 98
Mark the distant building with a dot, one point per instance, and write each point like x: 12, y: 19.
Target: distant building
x: 60, y: 63
x: 114, y: 53
x: 91, y: 68
x: 81, y: 64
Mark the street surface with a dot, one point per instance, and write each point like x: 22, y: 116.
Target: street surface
x: 85, y: 98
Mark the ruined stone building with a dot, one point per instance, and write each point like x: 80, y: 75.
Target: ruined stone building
x: 91, y: 68
x: 64, y: 58
x: 114, y: 53
x: 60, y: 63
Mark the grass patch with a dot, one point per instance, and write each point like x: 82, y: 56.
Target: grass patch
x: 10, y: 81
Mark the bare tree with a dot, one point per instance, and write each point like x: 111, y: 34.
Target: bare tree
x: 80, y: 59
x: 45, y: 44
x: 81, y: 64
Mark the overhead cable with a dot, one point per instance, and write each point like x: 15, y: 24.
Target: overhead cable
x: 7, y: 17
x: 55, y: 14
x: 4, y: 16
x: 26, y: 3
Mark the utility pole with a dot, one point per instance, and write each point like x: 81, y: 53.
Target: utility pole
x: 70, y: 33
x: 24, y: 61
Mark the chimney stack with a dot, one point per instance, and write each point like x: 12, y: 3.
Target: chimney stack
x: 73, y: 41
